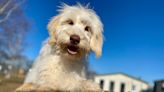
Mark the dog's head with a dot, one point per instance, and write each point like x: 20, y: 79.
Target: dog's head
x: 76, y: 30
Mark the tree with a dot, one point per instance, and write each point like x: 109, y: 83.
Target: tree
x: 14, y: 26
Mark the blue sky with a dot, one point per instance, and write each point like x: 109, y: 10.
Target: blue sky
x: 133, y: 30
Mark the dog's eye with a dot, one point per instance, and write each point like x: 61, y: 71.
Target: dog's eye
x: 70, y: 22
x: 87, y: 28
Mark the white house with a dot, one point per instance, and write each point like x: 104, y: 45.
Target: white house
x: 120, y: 82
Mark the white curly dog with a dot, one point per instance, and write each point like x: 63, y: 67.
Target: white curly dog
x: 62, y: 63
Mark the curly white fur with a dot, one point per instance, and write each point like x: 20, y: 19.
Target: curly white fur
x: 55, y: 68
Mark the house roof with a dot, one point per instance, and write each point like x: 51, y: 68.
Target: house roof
x: 162, y: 80
x: 139, y: 79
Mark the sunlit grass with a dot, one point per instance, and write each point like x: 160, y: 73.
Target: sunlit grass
x: 9, y: 85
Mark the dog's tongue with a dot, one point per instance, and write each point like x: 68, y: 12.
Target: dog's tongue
x: 72, y: 50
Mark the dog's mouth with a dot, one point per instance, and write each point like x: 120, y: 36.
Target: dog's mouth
x: 72, y: 49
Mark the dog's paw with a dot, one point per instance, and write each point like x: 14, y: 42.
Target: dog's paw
x: 89, y: 86
x: 27, y: 87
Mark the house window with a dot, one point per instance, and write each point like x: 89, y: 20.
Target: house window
x: 101, y: 84
x: 133, y: 87
x: 162, y: 89
x: 122, y: 87
x: 111, y: 88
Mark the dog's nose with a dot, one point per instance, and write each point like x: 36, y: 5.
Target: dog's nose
x: 74, y: 39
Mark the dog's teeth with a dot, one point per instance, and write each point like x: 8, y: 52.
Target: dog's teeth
x: 72, y: 52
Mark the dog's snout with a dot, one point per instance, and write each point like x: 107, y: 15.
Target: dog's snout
x: 75, y: 39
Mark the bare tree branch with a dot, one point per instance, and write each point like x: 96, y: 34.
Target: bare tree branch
x: 14, y: 26
x: 10, y: 11
x: 4, y: 6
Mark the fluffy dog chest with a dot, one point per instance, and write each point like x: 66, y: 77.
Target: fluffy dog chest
x: 56, y: 66
x: 55, y: 69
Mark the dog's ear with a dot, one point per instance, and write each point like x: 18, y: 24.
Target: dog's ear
x: 52, y: 26
x: 96, y: 43
x: 97, y: 37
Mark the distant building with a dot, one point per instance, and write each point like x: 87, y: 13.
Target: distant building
x: 159, y: 86
x: 120, y: 82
